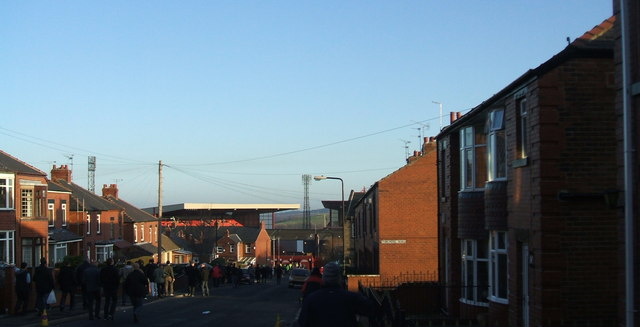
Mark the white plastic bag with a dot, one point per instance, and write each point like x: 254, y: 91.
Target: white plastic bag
x: 52, y: 297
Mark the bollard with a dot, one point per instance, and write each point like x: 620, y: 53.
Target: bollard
x: 44, y: 319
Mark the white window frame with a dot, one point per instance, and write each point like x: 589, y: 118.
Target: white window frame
x: 57, y: 258
x: 88, y: 224
x: 232, y: 248
x: 51, y: 212
x: 496, y: 146
x: 150, y: 234
x: 498, y: 267
x: 63, y: 211
x: 219, y: 249
x: 471, y: 292
x: 523, y: 123
x: 8, y: 238
x: 27, y: 202
x: 104, y: 252
x: 468, y: 147
x: 142, y: 233
x: 6, y: 187
x: 247, y: 248
x: 98, y: 229
x: 135, y: 233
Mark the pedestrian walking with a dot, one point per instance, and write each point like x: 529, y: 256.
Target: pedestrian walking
x: 68, y: 285
x: 192, y: 277
x: 169, y: 279
x: 124, y: 272
x: 149, y: 270
x: 43, y: 277
x: 91, y: 282
x: 204, y: 279
x: 279, y: 272
x: 110, y: 281
x: 217, y: 274
x: 136, y: 286
x: 23, y: 288
x: 313, y: 282
x: 332, y: 305
x: 79, y: 275
x: 158, y: 277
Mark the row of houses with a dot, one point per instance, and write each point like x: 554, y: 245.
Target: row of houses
x: 517, y: 210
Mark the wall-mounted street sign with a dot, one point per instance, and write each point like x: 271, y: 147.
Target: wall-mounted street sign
x: 393, y: 241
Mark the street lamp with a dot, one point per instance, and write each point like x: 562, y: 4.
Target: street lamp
x: 438, y: 103
x: 319, y: 178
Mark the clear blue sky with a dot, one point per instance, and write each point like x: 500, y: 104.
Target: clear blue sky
x: 240, y: 98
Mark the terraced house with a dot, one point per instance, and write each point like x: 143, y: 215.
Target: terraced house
x: 528, y: 224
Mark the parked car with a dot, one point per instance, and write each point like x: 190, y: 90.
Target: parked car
x: 298, y: 276
x: 245, y: 278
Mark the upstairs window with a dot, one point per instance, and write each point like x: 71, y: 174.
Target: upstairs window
x: 522, y: 115
x: 51, y: 211
x: 98, y: 224
x: 63, y: 212
x: 135, y: 233
x: 232, y: 248
x: 472, y: 159
x: 142, y: 233
x: 247, y: 248
x: 88, y: 224
x: 6, y: 191
x: 496, y: 147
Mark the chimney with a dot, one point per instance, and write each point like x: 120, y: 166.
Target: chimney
x: 452, y: 117
x: 62, y: 172
x: 110, y: 190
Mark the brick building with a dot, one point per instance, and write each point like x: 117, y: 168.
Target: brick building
x: 24, y: 226
x: 628, y: 138
x: 395, y: 225
x: 528, y: 233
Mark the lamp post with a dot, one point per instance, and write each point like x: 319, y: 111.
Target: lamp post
x: 319, y: 178
x: 438, y: 103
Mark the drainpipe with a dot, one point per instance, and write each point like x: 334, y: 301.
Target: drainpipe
x: 628, y: 166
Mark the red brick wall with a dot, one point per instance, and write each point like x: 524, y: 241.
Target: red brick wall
x: 407, y: 211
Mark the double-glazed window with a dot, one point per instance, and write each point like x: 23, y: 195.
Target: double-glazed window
x: 6, y: 191
x: 522, y: 115
x: 247, y: 248
x: 26, y: 203
x: 7, y: 246
x: 98, y: 224
x: 498, y: 253
x: 63, y: 212
x: 103, y: 252
x: 475, y: 271
x: 473, y: 171
x: 88, y: 224
x: 497, y: 147
x: 135, y: 233
x: 51, y: 211
x: 232, y: 248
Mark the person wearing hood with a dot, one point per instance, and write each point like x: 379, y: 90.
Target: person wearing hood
x: 332, y: 305
x: 313, y: 282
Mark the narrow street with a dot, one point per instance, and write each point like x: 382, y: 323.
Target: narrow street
x: 247, y: 306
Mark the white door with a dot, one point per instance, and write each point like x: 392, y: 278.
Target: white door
x: 525, y: 285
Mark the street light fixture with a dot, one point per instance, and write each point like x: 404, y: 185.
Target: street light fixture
x: 438, y: 103
x: 322, y: 177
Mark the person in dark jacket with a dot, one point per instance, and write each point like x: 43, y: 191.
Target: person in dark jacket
x: 313, y: 283
x: 91, y: 282
x: 43, y: 277
x: 136, y: 286
x: 23, y: 288
x: 149, y: 270
x: 67, y: 282
x: 332, y: 305
x: 79, y: 272
x: 110, y: 281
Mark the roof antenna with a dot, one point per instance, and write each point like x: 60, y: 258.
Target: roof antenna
x: 568, y: 40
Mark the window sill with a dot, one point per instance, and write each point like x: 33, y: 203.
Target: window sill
x: 476, y: 303
x: 498, y: 300
x: 522, y: 162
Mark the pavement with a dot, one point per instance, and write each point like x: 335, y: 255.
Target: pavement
x: 54, y: 315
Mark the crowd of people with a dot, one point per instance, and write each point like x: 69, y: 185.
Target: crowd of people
x: 322, y: 293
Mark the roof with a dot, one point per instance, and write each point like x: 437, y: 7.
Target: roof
x: 302, y: 234
x: 168, y: 244
x: 86, y: 199
x: 9, y: 163
x: 132, y: 213
x: 53, y: 187
x: 596, y: 43
x: 222, y: 208
x: 63, y: 235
